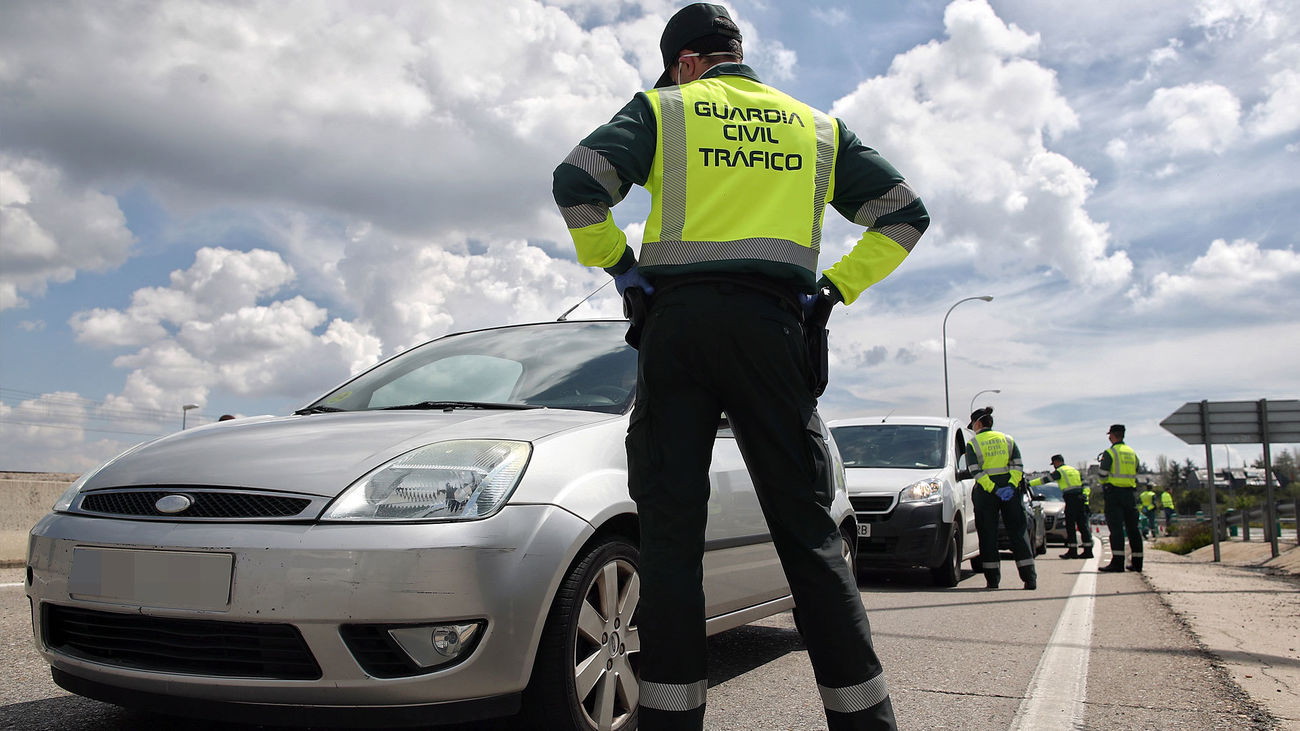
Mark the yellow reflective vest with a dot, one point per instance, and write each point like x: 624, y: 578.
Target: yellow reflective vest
x: 1123, y: 466
x: 994, y: 454
x: 1148, y: 498
x: 1166, y: 499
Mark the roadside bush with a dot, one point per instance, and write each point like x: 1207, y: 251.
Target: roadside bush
x: 1190, y: 536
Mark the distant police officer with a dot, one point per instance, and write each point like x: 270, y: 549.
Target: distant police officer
x: 739, y: 175
x: 1147, y: 503
x: 999, y: 477
x: 1118, y: 473
x: 1076, y: 506
x: 1167, y: 504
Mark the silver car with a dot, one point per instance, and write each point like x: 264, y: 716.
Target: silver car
x: 446, y: 537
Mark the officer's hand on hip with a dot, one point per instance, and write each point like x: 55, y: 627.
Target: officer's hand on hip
x: 632, y: 278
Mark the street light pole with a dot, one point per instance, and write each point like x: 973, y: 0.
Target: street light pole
x: 987, y: 298
x: 987, y: 390
x: 185, y: 410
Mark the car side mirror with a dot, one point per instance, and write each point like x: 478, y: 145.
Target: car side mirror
x: 964, y: 474
x: 1038, y: 497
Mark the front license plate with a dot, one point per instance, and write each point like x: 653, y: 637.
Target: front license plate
x: 168, y: 579
x: 864, y: 530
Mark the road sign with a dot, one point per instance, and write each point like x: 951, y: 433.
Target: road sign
x: 1236, y: 422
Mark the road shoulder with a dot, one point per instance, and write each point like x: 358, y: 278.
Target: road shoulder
x: 1245, y: 611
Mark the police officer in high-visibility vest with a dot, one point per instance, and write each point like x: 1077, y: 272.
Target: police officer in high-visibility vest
x: 1167, y: 505
x: 739, y: 175
x: 1118, y: 473
x: 1076, y: 506
x: 999, y: 476
x: 1147, y: 509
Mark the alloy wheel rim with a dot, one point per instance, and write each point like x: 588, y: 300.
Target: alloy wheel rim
x: 607, y: 645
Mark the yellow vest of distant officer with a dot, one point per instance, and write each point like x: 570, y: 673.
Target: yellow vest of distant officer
x: 1123, y: 466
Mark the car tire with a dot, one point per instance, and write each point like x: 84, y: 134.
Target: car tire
x: 581, y: 681
x: 948, y: 573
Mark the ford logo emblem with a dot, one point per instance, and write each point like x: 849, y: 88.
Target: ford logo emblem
x: 172, y: 504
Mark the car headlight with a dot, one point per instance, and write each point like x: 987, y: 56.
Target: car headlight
x: 929, y: 490
x: 455, y: 480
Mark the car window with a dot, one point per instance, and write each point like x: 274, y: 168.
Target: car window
x: 906, y: 446
x: 1051, y: 493
x: 576, y: 365
x: 456, y: 378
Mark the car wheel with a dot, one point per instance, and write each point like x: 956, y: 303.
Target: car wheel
x: 585, y: 675
x: 948, y: 573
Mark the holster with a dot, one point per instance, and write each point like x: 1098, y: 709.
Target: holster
x: 635, y: 305
x: 818, y: 339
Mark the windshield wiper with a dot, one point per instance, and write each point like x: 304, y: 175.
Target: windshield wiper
x: 317, y: 410
x: 452, y: 405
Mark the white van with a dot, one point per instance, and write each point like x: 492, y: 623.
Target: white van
x: 912, y: 509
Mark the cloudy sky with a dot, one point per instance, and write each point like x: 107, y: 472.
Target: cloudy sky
x: 237, y: 204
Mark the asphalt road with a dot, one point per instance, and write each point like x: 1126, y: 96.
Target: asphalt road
x: 1111, y: 657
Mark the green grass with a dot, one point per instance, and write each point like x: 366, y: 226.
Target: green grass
x: 1190, y: 536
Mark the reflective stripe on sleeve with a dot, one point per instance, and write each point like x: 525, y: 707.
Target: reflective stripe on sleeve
x: 673, y: 696
x: 894, y: 200
x: 584, y: 215
x: 594, y: 164
x: 669, y: 252
x: 905, y: 235
x: 854, y: 698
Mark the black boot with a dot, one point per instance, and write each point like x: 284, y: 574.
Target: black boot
x: 992, y: 579
x: 1135, y: 565
x: 1116, y: 564
x: 1087, y: 552
x: 1070, y: 553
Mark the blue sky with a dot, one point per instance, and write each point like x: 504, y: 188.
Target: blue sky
x: 236, y: 205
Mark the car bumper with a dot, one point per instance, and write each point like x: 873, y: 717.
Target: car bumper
x: 912, y: 534
x: 317, y: 579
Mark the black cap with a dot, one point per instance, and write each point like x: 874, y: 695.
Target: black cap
x: 1116, y: 429
x: 689, y: 24
x: 979, y: 415
x: 1058, y: 458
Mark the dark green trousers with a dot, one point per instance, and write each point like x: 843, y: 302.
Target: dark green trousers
x: 1121, y: 518
x: 988, y: 509
x: 709, y: 348
x: 1076, y: 516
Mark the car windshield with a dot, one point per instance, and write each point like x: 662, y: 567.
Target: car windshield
x: 563, y: 365
x: 906, y: 446
x: 1051, y: 493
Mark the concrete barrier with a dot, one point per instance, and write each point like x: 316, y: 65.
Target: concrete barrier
x: 25, y: 497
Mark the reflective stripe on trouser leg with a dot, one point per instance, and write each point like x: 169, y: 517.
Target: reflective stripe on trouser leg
x: 1025, y: 562
x: 673, y: 697
x: 854, y: 698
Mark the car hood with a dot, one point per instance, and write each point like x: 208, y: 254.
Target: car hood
x: 317, y: 454
x: 881, y: 479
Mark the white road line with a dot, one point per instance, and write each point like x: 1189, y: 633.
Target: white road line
x: 17, y: 583
x: 1056, y: 695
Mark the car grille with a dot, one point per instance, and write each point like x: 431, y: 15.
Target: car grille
x: 872, y: 503
x: 192, y: 646
x: 207, y: 503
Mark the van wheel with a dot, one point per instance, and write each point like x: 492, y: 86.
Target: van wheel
x: 585, y: 676
x: 948, y: 573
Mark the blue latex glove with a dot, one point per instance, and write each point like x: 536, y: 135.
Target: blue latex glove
x: 1005, y: 493
x: 632, y: 278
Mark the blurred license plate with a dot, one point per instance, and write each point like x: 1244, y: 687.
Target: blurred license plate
x: 864, y: 530
x: 171, y: 579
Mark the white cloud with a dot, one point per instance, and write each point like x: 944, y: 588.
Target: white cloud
x: 207, y: 333
x: 1280, y: 113
x: 52, y: 229
x: 1236, y: 275
x: 942, y: 116
x: 1194, y: 118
